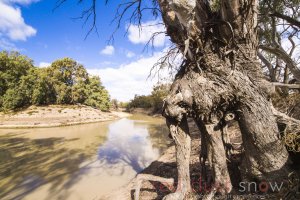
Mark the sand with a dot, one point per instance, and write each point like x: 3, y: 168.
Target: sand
x: 56, y: 115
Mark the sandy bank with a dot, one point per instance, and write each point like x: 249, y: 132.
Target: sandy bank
x: 56, y: 115
x: 145, y: 111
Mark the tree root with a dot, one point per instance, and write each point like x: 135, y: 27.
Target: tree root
x: 168, y: 182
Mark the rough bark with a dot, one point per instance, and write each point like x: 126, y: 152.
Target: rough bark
x: 218, y: 162
x: 180, y: 133
x: 265, y: 156
x: 221, y: 74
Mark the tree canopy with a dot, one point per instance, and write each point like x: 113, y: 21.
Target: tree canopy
x: 64, y: 82
x: 154, y: 101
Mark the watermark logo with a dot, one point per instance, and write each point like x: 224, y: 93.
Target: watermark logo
x: 262, y: 187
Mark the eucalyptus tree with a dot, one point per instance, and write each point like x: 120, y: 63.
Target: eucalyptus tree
x: 221, y: 77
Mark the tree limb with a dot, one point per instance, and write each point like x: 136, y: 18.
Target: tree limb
x: 292, y: 123
x: 291, y: 86
x: 268, y: 65
x: 289, y: 19
x: 279, y: 51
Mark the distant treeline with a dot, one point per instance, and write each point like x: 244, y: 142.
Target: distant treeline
x: 64, y: 82
x: 154, y: 101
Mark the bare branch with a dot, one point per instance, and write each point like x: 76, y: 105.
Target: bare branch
x: 289, y: 19
x: 279, y: 51
x: 168, y: 60
x: 290, y: 86
x: 85, y: 15
x: 152, y: 40
x: 268, y: 65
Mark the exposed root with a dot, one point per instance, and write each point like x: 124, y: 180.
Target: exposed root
x: 168, y: 182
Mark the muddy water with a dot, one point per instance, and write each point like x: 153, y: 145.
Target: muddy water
x: 77, y: 162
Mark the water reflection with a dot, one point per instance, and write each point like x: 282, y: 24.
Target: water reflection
x: 78, y: 162
x: 129, y: 144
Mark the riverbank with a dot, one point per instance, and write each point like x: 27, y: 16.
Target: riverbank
x: 145, y: 111
x: 56, y: 115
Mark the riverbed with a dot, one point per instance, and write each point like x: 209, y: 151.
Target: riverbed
x: 78, y: 162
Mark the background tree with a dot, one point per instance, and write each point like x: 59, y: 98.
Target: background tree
x: 64, y: 82
x: 154, y: 101
x: 15, y: 77
x: 44, y: 91
x: 279, y: 39
x: 97, y: 96
x: 114, y: 104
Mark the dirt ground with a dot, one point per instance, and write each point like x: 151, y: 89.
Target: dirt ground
x: 56, y: 115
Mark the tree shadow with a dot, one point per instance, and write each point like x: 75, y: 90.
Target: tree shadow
x: 26, y: 164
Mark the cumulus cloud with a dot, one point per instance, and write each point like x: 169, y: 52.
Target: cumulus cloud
x: 130, y: 54
x: 108, y: 50
x: 23, y: 2
x: 7, y: 45
x: 127, y: 80
x: 12, y: 24
x: 142, y: 35
x: 44, y: 64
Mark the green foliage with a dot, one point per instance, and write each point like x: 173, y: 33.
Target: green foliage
x: 64, y: 82
x: 158, y: 95
x: 97, y: 96
x: 123, y: 104
x: 15, y: 71
x: 215, y: 5
x: 43, y: 92
x: 12, y: 99
x: 12, y: 67
x: 153, y: 101
x: 268, y: 26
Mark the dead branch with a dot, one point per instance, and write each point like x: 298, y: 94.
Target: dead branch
x: 290, y: 86
x: 289, y: 19
x: 279, y: 51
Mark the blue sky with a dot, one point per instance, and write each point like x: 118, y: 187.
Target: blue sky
x: 34, y: 29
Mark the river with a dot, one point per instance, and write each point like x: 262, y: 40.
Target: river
x: 77, y: 162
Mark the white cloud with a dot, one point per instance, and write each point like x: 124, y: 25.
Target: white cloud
x: 130, y: 54
x: 12, y: 24
x: 142, y: 35
x: 44, y: 64
x: 129, y: 79
x: 23, y: 2
x: 7, y: 45
x: 108, y: 50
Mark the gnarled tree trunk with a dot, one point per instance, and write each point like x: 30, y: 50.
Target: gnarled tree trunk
x: 221, y: 74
